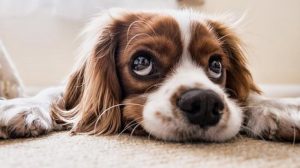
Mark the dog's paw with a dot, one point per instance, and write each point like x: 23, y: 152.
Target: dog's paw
x: 23, y: 119
x: 274, y: 120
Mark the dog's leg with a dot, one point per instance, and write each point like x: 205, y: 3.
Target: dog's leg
x: 24, y: 117
x: 275, y: 119
x: 11, y: 85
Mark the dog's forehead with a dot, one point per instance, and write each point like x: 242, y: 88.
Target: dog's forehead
x: 191, y: 35
x: 188, y: 31
x: 169, y: 37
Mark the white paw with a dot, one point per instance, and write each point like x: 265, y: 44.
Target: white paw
x: 274, y: 119
x: 262, y: 124
x: 23, y: 119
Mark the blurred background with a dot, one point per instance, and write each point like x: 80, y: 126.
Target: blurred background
x: 40, y: 35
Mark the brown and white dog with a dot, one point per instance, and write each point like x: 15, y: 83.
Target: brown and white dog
x: 175, y: 75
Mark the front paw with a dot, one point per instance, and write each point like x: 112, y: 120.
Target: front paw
x: 23, y: 120
x: 274, y: 121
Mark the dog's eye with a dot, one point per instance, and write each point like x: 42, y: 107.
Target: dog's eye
x: 142, y: 65
x: 215, y: 67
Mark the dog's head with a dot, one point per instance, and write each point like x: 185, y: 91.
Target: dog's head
x: 177, y: 75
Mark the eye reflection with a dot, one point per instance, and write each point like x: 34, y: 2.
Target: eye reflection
x: 142, y: 65
x: 215, y: 67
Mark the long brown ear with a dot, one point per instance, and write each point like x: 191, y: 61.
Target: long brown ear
x: 91, y: 97
x: 239, y: 81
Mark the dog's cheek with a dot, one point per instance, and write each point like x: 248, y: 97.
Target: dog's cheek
x: 133, y: 115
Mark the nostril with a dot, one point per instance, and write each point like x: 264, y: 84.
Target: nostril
x: 217, y: 108
x: 195, y: 107
x: 190, y: 102
x: 215, y: 111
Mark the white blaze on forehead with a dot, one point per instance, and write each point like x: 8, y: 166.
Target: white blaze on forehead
x: 185, y: 18
x: 184, y: 22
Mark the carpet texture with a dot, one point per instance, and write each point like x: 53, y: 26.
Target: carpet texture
x: 63, y: 150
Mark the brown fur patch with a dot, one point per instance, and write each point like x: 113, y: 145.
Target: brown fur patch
x: 164, y: 119
x: 239, y: 82
x: 155, y: 36
x: 133, y: 114
x: 205, y: 44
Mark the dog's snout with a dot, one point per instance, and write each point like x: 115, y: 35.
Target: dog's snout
x: 201, y: 107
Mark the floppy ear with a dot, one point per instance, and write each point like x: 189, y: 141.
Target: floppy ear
x: 270, y: 118
x: 89, y: 103
x: 239, y: 81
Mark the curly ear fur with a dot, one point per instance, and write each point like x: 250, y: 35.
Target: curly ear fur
x: 239, y: 81
x: 91, y: 97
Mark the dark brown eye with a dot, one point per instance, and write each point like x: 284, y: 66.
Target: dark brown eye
x: 142, y: 65
x: 215, y: 67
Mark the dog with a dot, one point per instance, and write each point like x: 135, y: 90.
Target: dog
x: 176, y: 75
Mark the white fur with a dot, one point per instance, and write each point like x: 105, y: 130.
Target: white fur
x: 267, y: 115
x: 34, y: 113
x: 189, y: 75
x: 36, y: 110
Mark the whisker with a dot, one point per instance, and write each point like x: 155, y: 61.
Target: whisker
x: 154, y: 85
x: 114, y: 106
x: 129, y: 27
x: 249, y: 129
x: 294, y: 136
x: 129, y: 125
x: 222, y: 39
x: 294, y: 132
x: 135, y: 36
x: 139, y: 21
x: 149, y: 135
x: 231, y: 91
x: 134, y: 129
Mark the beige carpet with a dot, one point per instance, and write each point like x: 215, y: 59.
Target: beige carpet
x: 63, y: 150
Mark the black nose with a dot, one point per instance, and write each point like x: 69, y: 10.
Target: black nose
x: 201, y: 107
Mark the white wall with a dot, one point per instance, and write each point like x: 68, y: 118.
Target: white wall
x: 271, y: 32
x: 41, y: 38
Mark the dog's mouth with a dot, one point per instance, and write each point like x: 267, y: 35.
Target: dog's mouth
x: 191, y: 134
x: 176, y: 125
x: 178, y: 128
x: 214, y: 118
